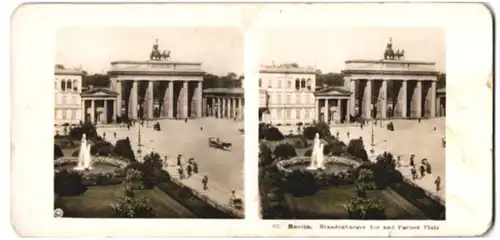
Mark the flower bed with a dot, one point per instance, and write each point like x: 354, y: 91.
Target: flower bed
x: 117, y: 162
x: 283, y: 165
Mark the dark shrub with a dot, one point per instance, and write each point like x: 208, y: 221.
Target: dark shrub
x: 87, y: 128
x: 357, y: 149
x: 284, y: 150
x: 273, y: 134
x: 300, y: 183
x: 153, y: 163
x: 102, y: 148
x: 300, y: 142
x: 147, y: 181
x: 362, y: 208
x: 322, y: 179
x: 321, y: 128
x: 265, y: 155
x: 335, y: 148
x: 57, y: 152
x: 68, y: 183
x: 124, y: 149
x: 262, y: 130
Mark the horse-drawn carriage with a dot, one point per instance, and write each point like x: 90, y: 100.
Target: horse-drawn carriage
x: 236, y: 203
x: 217, y: 143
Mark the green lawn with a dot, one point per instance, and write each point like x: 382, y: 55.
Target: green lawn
x: 95, y: 202
x: 327, y: 204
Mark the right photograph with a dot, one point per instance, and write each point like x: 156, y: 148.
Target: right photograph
x: 352, y: 123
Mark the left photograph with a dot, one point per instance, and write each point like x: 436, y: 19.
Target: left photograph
x: 148, y: 123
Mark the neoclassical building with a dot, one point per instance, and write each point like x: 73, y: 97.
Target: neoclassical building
x: 391, y: 87
x: 180, y: 85
x: 287, y: 94
x: 224, y: 103
x: 67, y: 100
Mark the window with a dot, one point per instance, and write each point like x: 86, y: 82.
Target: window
x: 73, y: 100
x: 63, y: 85
x: 289, y: 84
x: 68, y: 85
x: 297, y: 98
x: 55, y: 84
x: 279, y: 83
x: 297, y: 114
x: 64, y: 115
x: 309, y: 84
x: 278, y: 112
x: 297, y: 84
x: 269, y: 83
x: 303, y: 83
x: 288, y: 114
x: 306, y: 114
x: 279, y: 99
x: 73, y: 115
x: 288, y: 98
x: 75, y: 85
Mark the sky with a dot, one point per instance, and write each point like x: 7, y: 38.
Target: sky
x: 220, y: 50
x: 327, y: 49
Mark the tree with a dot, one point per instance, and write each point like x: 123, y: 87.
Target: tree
x: 133, y: 178
x: 265, y: 155
x: 153, y: 167
x: 356, y: 148
x: 96, y: 80
x: 321, y: 128
x: 273, y: 134
x: 284, y: 150
x: 330, y: 79
x: 124, y: 148
x: 363, y: 208
x: 87, y: 128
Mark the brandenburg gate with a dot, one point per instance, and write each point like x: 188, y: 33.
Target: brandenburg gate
x: 391, y: 87
x: 179, y: 86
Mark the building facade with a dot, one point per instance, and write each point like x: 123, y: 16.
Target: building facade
x: 228, y: 103
x: 67, y: 99
x: 287, y: 94
x: 180, y: 83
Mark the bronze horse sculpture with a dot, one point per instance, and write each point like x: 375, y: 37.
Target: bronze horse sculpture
x: 157, y: 55
x: 391, y: 55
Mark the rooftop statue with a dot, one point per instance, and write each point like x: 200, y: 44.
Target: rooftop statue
x: 157, y: 55
x: 389, y: 53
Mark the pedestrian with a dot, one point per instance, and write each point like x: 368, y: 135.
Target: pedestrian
x: 348, y: 135
x: 419, y: 119
x: 412, y: 160
x: 399, y: 161
x: 114, y: 134
x: 165, y: 162
x: 201, y: 128
x: 185, y: 120
x: 337, y: 135
x: 179, y: 160
x: 422, y: 170
x: 181, y: 172
x: 195, y: 167
x: 104, y: 136
x: 414, y: 173
x: 204, y: 181
x: 128, y: 126
x: 428, y: 168
x: 189, y: 170
x: 438, y: 184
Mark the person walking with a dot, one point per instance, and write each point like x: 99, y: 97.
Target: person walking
x: 412, y: 160
x: 414, y: 173
x: 195, y: 166
x: 204, y: 181
x: 438, y: 184
x: 428, y: 168
x: 422, y: 171
x: 189, y: 170
x: 179, y: 160
x: 348, y: 135
x: 181, y: 172
x: 114, y: 134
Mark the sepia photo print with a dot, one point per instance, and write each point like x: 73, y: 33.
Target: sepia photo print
x: 352, y: 123
x: 148, y: 123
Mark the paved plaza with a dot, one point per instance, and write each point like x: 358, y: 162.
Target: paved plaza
x: 409, y: 137
x: 224, y: 169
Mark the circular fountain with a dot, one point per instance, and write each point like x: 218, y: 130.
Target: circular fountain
x: 87, y: 164
x: 317, y: 161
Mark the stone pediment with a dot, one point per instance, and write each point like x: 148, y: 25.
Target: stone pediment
x: 99, y: 92
x: 333, y: 91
